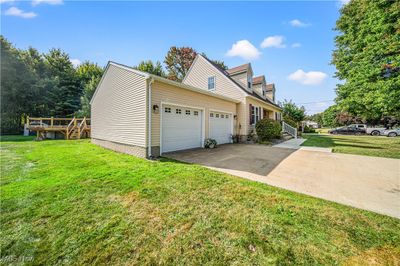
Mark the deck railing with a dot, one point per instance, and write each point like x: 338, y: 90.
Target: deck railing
x: 289, y: 129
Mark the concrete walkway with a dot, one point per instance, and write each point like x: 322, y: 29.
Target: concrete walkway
x: 290, y: 144
x: 295, y: 144
x: 364, y: 182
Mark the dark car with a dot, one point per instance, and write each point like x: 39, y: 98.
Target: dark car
x: 347, y: 130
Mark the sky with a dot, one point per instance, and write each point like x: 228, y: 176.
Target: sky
x: 290, y: 42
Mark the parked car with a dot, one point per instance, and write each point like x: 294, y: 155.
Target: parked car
x: 392, y: 132
x: 347, y: 130
x: 374, y: 131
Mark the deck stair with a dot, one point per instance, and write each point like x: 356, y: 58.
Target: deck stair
x: 71, y: 128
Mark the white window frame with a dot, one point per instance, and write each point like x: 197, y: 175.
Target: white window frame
x: 256, y: 114
x: 213, y: 78
x: 249, y: 82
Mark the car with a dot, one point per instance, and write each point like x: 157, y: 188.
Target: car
x: 392, y: 132
x: 347, y: 130
x: 374, y: 131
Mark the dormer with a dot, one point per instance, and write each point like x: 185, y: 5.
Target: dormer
x: 260, y: 86
x: 270, y: 92
x: 243, y: 75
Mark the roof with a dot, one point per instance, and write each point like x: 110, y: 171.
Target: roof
x: 167, y: 81
x: 258, y: 79
x: 238, y: 69
x: 271, y: 86
x: 224, y: 72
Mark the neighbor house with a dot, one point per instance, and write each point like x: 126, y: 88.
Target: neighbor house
x: 147, y: 115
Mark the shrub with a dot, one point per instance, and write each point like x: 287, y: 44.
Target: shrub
x: 268, y: 129
x: 290, y: 121
x: 308, y: 129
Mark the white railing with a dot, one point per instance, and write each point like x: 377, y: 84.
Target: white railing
x: 289, y: 129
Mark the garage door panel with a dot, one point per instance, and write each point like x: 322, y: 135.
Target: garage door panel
x: 181, y: 130
x: 220, y: 127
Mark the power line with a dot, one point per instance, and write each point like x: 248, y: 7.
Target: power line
x: 318, y: 102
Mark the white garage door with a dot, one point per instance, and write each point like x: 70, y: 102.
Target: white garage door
x: 181, y: 128
x: 220, y: 127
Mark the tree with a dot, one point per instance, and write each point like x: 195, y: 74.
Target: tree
x: 329, y: 116
x: 64, y: 99
x: 367, y: 58
x: 17, y: 92
x: 89, y: 75
x: 316, y: 118
x: 291, y: 110
x: 178, y: 61
x: 149, y: 67
x: 219, y: 63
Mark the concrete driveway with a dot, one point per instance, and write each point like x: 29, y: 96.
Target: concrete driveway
x: 364, y: 182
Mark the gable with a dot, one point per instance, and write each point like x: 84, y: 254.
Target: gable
x: 202, y: 69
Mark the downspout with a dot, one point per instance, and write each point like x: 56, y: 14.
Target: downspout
x: 151, y: 80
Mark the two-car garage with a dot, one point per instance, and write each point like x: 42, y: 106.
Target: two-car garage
x: 185, y: 127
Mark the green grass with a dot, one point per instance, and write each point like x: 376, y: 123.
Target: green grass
x: 74, y: 203
x: 361, y: 145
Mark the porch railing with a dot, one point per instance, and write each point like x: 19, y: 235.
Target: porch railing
x: 289, y: 129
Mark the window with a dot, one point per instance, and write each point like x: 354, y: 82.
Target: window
x: 178, y: 111
x: 227, y: 116
x: 211, y: 115
x: 222, y: 116
x: 211, y: 83
x: 264, y: 93
x: 167, y: 110
x: 255, y: 114
x: 195, y: 112
x: 187, y: 112
x: 249, y: 81
x: 217, y: 115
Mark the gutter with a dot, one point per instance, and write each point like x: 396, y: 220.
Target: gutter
x: 151, y: 80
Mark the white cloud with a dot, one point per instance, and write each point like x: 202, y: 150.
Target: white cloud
x: 75, y: 62
x: 14, y: 11
x: 308, y: 78
x: 6, y: 1
x: 50, y: 2
x: 298, y: 23
x: 344, y: 2
x: 273, y: 41
x: 244, y: 49
x: 296, y: 45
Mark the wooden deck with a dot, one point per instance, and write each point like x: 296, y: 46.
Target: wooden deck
x: 71, y: 128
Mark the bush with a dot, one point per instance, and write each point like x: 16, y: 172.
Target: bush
x: 268, y: 129
x: 308, y: 129
x: 290, y: 121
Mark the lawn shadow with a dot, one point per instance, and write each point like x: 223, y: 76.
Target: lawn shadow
x: 16, y: 138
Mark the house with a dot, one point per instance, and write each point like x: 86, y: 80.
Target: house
x: 133, y: 110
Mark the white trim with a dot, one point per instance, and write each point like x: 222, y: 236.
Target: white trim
x: 220, y: 111
x: 234, y: 84
x: 203, y: 123
x: 215, y: 83
x: 144, y: 74
x: 261, y: 101
x: 194, y: 89
x: 190, y: 68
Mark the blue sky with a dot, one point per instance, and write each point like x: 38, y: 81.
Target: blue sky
x: 289, y: 42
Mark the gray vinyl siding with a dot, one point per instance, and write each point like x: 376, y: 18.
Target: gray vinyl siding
x: 118, y: 111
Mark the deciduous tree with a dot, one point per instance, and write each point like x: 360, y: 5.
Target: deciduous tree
x: 367, y: 58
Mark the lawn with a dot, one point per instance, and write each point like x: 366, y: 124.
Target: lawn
x: 361, y: 145
x: 71, y: 202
